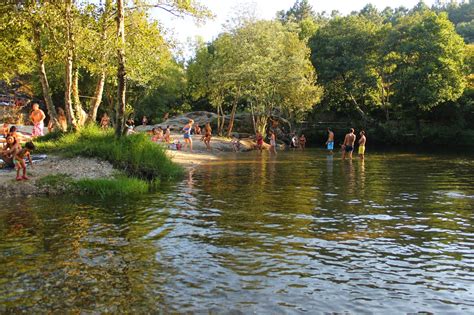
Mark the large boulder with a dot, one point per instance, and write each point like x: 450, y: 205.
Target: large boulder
x: 176, y: 123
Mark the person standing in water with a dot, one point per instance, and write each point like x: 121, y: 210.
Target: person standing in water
x: 259, y: 140
x: 362, y: 142
x: 348, y: 145
x: 302, y: 142
x: 272, y: 142
x: 330, y: 141
x: 37, y: 117
x: 187, y: 135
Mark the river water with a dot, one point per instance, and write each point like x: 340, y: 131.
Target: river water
x: 300, y: 232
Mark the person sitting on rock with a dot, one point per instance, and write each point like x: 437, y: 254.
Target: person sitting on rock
x: 197, y: 130
x: 9, y: 150
x: 157, y: 135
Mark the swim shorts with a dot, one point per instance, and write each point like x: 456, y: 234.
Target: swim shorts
x: 349, y: 148
x: 361, y: 149
x: 331, y: 145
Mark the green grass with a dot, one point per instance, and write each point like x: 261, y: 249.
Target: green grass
x: 136, y: 155
x: 55, y: 181
x: 117, y: 187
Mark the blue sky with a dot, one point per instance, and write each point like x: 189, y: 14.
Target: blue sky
x: 186, y: 30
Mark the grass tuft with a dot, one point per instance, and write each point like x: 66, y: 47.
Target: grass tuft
x: 118, y: 187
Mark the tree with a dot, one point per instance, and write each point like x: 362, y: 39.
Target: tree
x: 261, y: 64
x: 344, y: 52
x: 429, y: 62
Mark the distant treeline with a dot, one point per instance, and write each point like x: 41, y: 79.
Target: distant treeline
x: 404, y: 75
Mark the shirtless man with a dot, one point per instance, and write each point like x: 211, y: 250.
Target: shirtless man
x: 330, y: 141
x: 37, y: 118
x: 362, y: 142
x: 348, y: 145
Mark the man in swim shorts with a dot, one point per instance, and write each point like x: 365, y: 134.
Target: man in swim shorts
x: 362, y: 142
x: 348, y: 145
x: 330, y: 141
x: 37, y: 118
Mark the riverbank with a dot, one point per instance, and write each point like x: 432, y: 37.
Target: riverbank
x: 55, y: 174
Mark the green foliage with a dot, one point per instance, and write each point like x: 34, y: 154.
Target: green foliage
x: 261, y: 64
x: 118, y: 187
x: 430, y: 61
x: 345, y: 53
x: 135, y: 154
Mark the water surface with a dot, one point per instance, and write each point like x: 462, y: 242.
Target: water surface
x: 300, y: 232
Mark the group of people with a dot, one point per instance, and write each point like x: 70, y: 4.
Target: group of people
x: 348, y: 145
x: 12, y: 152
x: 298, y: 142
x: 188, y: 131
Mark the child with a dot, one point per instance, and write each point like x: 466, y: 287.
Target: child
x: 19, y: 160
x: 207, y: 136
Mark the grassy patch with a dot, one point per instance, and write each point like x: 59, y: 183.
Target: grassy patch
x: 54, y: 181
x: 117, y: 187
x: 135, y: 154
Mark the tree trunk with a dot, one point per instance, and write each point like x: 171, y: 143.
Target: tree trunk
x: 80, y: 113
x: 253, y: 118
x: 97, y: 99
x: 121, y: 74
x: 232, y: 117
x: 53, y: 116
x: 362, y: 114
x: 262, y: 125
x: 71, y: 119
x: 221, y: 127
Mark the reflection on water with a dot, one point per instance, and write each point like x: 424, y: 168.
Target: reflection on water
x: 303, y: 231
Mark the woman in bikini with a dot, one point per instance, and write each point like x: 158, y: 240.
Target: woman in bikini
x: 187, y: 135
x: 272, y: 143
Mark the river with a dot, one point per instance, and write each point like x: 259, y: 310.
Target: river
x: 302, y: 232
